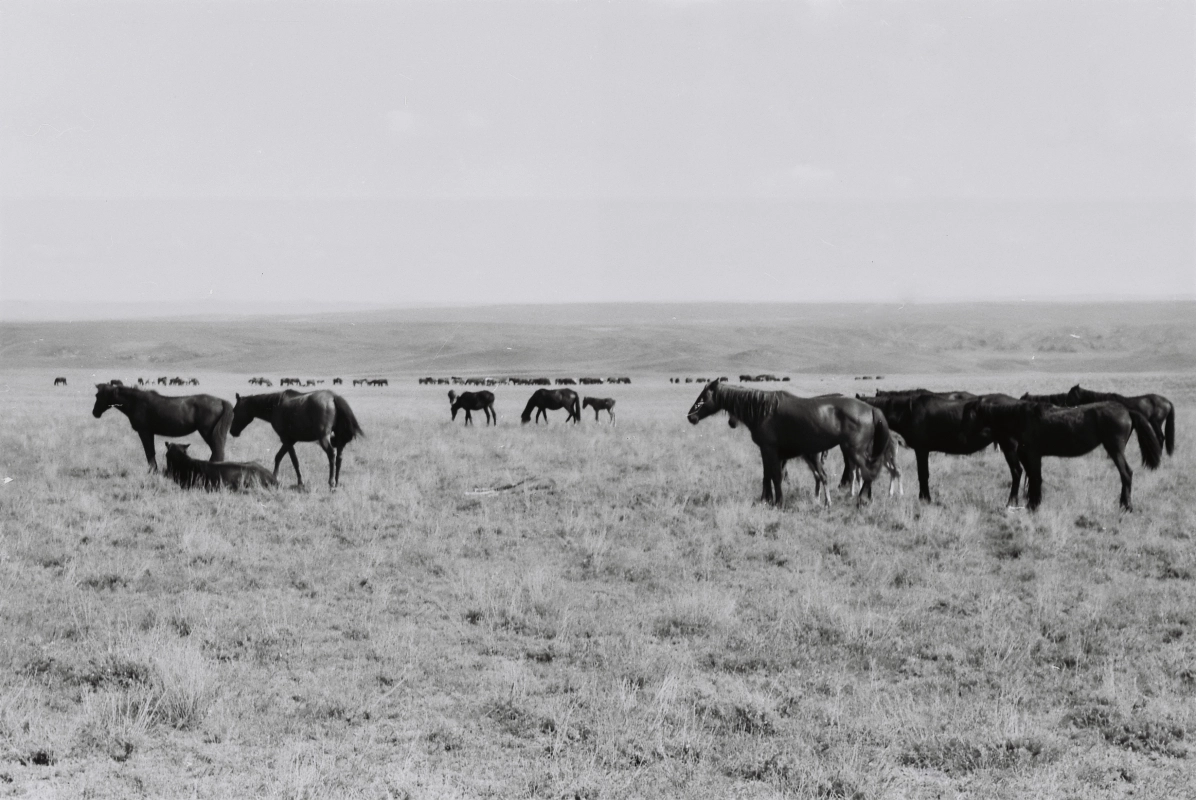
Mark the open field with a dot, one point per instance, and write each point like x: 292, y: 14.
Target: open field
x: 628, y: 624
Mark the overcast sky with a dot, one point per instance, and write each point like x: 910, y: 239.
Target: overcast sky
x: 370, y: 152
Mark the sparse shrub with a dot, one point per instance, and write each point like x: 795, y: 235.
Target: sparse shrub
x: 957, y: 756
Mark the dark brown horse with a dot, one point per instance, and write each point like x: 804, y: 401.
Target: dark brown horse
x: 784, y: 426
x: 1044, y: 430
x: 606, y: 404
x: 188, y: 473
x: 545, y: 400
x: 321, y: 416
x: 1154, y: 407
x: 152, y: 415
x: 932, y: 424
x: 1062, y: 399
x: 473, y: 401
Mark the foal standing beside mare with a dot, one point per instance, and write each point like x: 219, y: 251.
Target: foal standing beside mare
x: 545, y: 400
x: 473, y: 401
x: 1044, y: 430
x: 784, y: 426
x: 321, y: 416
x: 151, y: 415
x: 606, y: 404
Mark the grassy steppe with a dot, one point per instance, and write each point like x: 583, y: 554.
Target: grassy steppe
x: 628, y: 624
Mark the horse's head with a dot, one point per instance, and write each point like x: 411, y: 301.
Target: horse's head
x: 705, y: 405
x: 454, y: 403
x: 242, y: 415
x: 106, y: 398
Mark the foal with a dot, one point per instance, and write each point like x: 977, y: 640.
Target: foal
x: 606, y: 404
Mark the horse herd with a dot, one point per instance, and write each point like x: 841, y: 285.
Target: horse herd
x: 1071, y: 424
x: 458, y: 381
x: 866, y: 429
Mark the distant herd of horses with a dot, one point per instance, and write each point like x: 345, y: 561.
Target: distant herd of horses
x: 456, y: 381
x: 865, y: 429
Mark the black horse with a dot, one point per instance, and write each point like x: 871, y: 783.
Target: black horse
x: 930, y: 423
x: 606, y: 404
x: 1044, y: 430
x: 60, y: 381
x: 321, y: 416
x: 545, y: 400
x: 473, y: 401
x: 1154, y: 407
x: 1061, y: 399
x: 151, y: 415
x: 187, y: 472
x: 784, y: 426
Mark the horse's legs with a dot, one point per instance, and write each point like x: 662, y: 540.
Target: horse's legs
x: 821, y: 486
x: 772, y: 477
x: 611, y: 411
x: 339, y: 452
x: 1009, y: 449
x: 848, y: 478
x: 468, y: 417
x: 214, y: 443
x: 147, y: 442
x: 326, y: 446
x: 1033, y: 465
x: 1127, y: 475
x: 923, y: 457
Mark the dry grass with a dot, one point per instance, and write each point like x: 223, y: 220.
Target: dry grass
x: 634, y: 627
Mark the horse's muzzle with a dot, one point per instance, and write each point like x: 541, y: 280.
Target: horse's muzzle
x: 694, y: 419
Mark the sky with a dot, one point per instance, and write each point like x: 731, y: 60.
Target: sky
x: 260, y: 153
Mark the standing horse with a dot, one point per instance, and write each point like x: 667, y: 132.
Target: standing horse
x: 930, y: 423
x: 321, y: 416
x: 606, y: 404
x: 473, y: 401
x: 784, y: 426
x: 151, y: 415
x: 1062, y: 399
x: 60, y: 381
x: 1154, y: 407
x: 545, y: 400
x: 1043, y: 430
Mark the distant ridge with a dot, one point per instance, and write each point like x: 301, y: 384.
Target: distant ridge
x: 612, y: 339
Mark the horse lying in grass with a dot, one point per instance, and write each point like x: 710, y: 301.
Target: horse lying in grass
x: 189, y: 473
x: 784, y: 426
x: 473, y: 401
x: 321, y: 416
x: 1044, y: 430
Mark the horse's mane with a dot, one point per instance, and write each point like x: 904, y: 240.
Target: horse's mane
x: 749, y: 406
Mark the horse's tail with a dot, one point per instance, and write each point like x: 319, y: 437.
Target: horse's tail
x: 220, y: 433
x: 1152, y: 451
x: 345, y: 428
x: 1169, y: 430
x: 882, y: 442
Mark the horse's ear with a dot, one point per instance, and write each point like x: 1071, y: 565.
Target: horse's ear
x: 238, y: 396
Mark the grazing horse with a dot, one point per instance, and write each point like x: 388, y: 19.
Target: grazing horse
x: 784, y: 426
x: 1154, y: 407
x: 60, y: 381
x: 473, y: 401
x: 932, y: 424
x: 606, y: 404
x: 187, y: 472
x: 151, y: 415
x: 545, y: 400
x: 321, y: 416
x: 1043, y: 430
